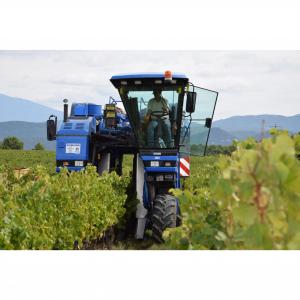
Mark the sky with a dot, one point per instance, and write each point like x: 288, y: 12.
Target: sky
x: 248, y: 82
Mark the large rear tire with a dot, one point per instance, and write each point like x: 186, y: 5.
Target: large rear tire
x: 164, y: 215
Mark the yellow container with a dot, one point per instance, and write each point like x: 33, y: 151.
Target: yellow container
x: 110, y: 114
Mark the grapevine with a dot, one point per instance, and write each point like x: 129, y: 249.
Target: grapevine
x: 42, y: 211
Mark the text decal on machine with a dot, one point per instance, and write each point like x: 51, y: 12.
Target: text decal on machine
x: 73, y: 148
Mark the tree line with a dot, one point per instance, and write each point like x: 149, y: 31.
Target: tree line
x: 212, y: 149
x: 14, y: 143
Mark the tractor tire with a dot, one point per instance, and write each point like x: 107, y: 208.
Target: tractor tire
x: 164, y: 215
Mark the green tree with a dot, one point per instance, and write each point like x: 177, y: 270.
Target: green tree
x: 39, y: 146
x: 12, y: 142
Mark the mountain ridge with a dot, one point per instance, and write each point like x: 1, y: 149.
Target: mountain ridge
x: 29, y: 124
x: 254, y: 123
x: 20, y: 109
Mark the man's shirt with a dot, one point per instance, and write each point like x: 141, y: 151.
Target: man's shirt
x: 161, y: 105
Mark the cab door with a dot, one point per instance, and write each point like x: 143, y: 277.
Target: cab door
x: 196, y: 127
x: 202, y: 120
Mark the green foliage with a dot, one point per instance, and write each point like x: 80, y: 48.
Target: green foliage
x: 12, y: 142
x: 297, y: 144
x: 40, y: 211
x: 296, y: 137
x: 259, y: 194
x: 39, y: 146
x: 249, y: 200
x: 17, y: 159
x: 202, y: 221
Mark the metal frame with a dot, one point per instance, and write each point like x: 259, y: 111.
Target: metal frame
x: 212, y: 116
x: 178, y: 117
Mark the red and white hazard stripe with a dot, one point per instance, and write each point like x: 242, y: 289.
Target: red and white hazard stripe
x: 185, y: 166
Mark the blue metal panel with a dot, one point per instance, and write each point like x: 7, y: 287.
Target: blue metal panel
x: 147, y: 75
x: 79, y: 109
x: 78, y: 132
x: 95, y: 110
x: 64, y: 145
x: 161, y: 169
x: 159, y: 157
x: 86, y: 109
x: 77, y: 127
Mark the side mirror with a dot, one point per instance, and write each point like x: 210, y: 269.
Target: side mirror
x: 190, y: 102
x: 208, y: 122
x: 51, y: 128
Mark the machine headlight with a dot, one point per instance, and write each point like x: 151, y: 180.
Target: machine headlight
x: 154, y: 163
x: 169, y: 177
x: 160, y: 178
x: 78, y: 163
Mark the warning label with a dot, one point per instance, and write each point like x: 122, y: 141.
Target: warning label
x: 73, y: 148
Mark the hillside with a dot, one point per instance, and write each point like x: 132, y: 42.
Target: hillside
x: 17, y: 109
x: 217, y: 136
x: 27, y: 120
x: 29, y: 133
x: 253, y: 124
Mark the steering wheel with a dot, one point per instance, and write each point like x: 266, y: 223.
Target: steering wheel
x: 159, y: 114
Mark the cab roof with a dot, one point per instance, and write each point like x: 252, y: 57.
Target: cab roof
x: 147, y: 75
x: 147, y: 78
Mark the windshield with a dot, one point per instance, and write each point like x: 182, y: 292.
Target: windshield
x: 153, y: 115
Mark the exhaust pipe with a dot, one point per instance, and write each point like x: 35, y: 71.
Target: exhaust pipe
x: 65, y: 109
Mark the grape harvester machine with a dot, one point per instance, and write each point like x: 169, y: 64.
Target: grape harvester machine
x: 159, y: 140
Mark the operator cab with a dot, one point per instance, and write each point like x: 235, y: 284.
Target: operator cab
x: 159, y: 107
x: 154, y: 107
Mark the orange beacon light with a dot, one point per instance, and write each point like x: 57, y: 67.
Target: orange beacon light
x: 168, y: 75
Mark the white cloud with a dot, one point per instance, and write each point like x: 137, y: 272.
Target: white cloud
x: 249, y: 82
